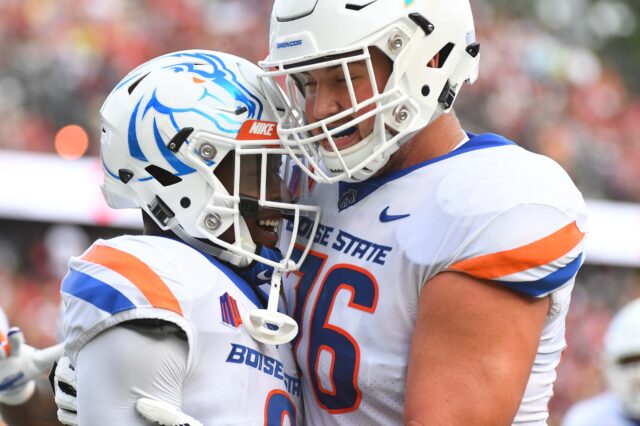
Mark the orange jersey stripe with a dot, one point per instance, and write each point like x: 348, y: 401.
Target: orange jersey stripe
x: 4, y: 344
x: 533, y: 255
x: 138, y: 272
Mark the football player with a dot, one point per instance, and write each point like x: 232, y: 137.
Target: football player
x: 439, y: 280
x: 175, y: 314
x: 620, y: 406
x: 22, y: 370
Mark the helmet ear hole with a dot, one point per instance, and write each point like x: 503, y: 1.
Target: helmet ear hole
x: 165, y: 177
x: 185, y: 202
x: 441, y: 57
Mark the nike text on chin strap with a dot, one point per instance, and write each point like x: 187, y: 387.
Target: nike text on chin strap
x: 268, y: 325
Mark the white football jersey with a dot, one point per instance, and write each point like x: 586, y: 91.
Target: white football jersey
x: 601, y: 410
x: 489, y: 209
x: 230, y: 378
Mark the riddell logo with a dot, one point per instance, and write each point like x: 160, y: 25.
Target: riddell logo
x: 286, y: 44
x: 257, y: 129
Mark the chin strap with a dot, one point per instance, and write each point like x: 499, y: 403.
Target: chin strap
x: 356, y: 154
x: 217, y: 252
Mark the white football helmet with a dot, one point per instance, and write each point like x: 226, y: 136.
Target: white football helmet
x: 310, y: 34
x: 166, y: 128
x: 622, y: 357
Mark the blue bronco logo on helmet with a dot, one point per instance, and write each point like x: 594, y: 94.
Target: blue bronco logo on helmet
x: 202, y: 84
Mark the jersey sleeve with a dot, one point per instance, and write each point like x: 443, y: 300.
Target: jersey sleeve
x: 114, y: 370
x: 116, y: 281
x: 4, y: 330
x: 533, y: 249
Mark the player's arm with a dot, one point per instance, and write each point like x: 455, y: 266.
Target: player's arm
x: 121, y: 365
x: 472, y: 352
x: 25, y: 397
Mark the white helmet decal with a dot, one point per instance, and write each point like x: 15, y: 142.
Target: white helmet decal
x: 213, y: 86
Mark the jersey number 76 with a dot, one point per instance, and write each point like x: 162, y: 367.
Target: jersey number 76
x: 340, y: 393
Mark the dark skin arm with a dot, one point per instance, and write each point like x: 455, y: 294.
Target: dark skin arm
x: 39, y: 410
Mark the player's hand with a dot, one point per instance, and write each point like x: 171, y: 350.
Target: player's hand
x: 163, y: 413
x: 63, y: 381
x: 19, y: 365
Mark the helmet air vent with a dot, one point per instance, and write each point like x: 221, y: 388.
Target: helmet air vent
x: 135, y: 83
x: 442, y: 55
x: 358, y: 7
x: 291, y: 10
x: 166, y: 178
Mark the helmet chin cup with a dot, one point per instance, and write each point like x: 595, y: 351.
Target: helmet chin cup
x: 270, y: 327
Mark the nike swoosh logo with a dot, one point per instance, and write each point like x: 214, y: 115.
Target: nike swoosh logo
x: 264, y: 275
x: 386, y: 217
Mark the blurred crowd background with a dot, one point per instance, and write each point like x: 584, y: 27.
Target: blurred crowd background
x: 559, y: 77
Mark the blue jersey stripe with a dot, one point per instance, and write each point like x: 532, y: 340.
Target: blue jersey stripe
x: 226, y: 315
x: 96, y: 292
x: 223, y: 309
x: 549, y: 283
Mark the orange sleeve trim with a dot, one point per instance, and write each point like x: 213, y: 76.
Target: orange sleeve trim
x: 138, y: 272
x: 533, y: 255
x: 4, y: 343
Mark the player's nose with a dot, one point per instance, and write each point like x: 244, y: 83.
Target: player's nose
x: 325, y: 102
